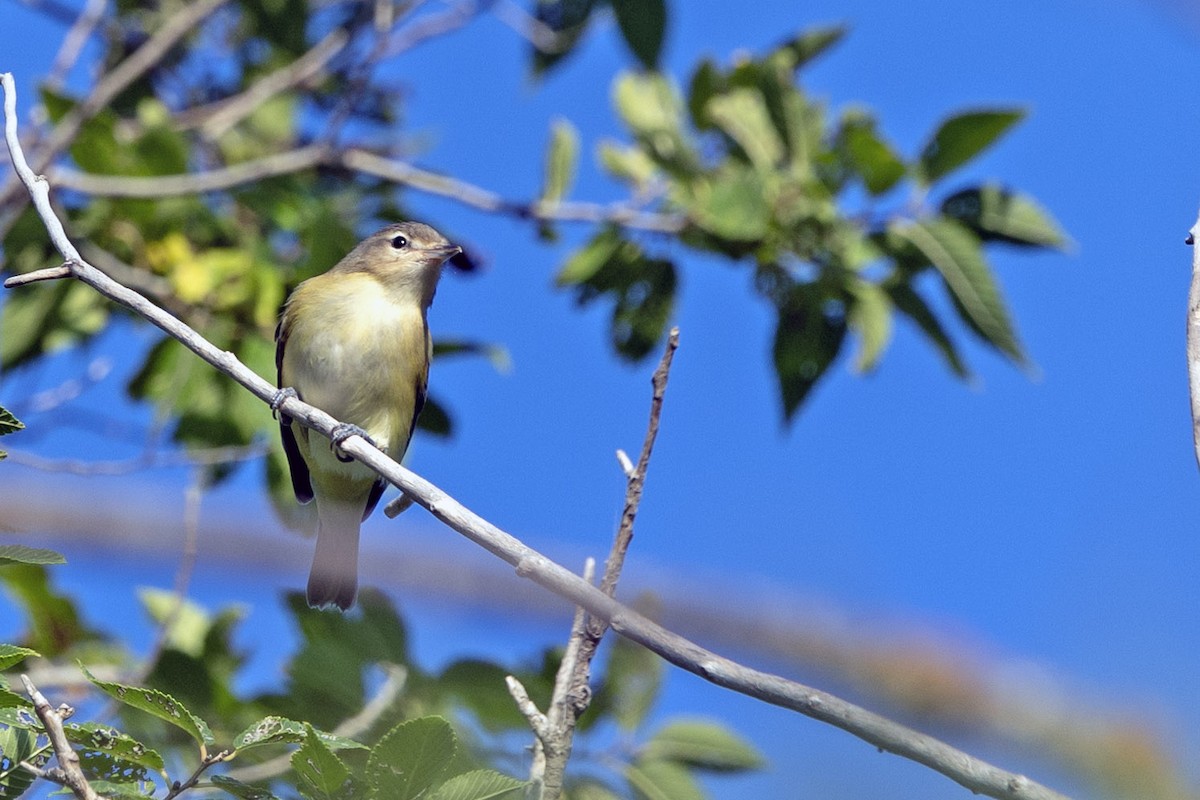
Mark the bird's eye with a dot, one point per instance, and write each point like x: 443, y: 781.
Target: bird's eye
x: 400, y: 242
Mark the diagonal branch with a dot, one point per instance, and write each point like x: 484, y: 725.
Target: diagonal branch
x: 973, y: 773
x: 69, y: 773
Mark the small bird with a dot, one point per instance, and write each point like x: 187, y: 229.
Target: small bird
x: 354, y: 342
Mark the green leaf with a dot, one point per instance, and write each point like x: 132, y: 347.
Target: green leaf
x: 9, y: 423
x: 54, y: 624
x: 480, y: 784
x: 322, y: 774
x: 585, y: 262
x: 742, y: 114
x: 996, y: 214
x: 870, y: 315
x: 568, y: 19
x: 12, y: 700
x: 17, y: 745
x: 911, y: 304
x: 632, y: 681
x: 955, y: 252
x: 962, y: 137
x: 496, y: 354
x: 20, y: 554
x: 630, y: 164
x: 189, y: 622
x: 731, y: 205
x: 643, y: 23
x: 123, y: 749
x: 868, y: 155
x: 10, y: 654
x: 650, y: 106
x: 238, y: 789
x: 411, y: 758
x: 590, y: 789
x: 479, y: 686
x: 562, y: 160
x: 155, y: 703
x: 434, y: 419
x: 810, y: 44
x: 704, y: 745
x: 662, y: 780
x: 808, y: 337
x: 280, y: 730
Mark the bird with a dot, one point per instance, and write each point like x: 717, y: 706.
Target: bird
x: 354, y: 342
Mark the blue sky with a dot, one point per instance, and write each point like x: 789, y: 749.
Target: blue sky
x: 1046, y: 515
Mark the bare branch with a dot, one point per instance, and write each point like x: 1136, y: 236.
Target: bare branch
x: 69, y: 773
x: 73, y: 42
x: 47, y: 274
x: 215, y: 119
x: 974, y: 774
x: 150, y: 53
x: 1193, y: 336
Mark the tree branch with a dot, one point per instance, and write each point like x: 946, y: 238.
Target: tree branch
x: 885, y: 734
x: 69, y: 773
x: 1193, y: 337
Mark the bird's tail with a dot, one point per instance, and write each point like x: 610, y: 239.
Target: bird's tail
x: 333, y: 580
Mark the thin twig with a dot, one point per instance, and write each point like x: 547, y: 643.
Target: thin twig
x: 215, y: 119
x: 179, y: 25
x: 69, y: 773
x: 1193, y: 336
x: 74, y: 41
x: 974, y: 774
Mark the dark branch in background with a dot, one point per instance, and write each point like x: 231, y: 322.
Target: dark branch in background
x: 68, y: 773
x: 972, y: 773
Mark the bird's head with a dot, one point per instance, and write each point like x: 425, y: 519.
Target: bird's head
x: 404, y: 257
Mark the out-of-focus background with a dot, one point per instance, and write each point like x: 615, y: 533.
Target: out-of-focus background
x: 1025, y: 541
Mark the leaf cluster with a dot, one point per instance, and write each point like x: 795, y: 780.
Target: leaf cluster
x: 354, y: 718
x: 836, y: 229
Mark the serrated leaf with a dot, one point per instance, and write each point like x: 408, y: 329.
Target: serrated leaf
x: 411, y: 758
x: 321, y: 772
x: 662, y: 780
x: 643, y: 24
x: 11, y: 654
x: 742, y: 114
x: 588, y: 260
x: 280, y: 730
x: 20, y: 554
x: 702, y: 745
x: 91, y: 736
x: 956, y: 254
x: 155, y: 703
x: 995, y: 213
x: 9, y: 423
x: 480, y: 784
x: 238, y: 789
x: 9, y: 699
x: 17, y: 745
x: 870, y: 315
x: 962, y: 137
x: 562, y: 160
x: 913, y: 306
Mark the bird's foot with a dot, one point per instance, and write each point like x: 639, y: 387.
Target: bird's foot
x: 277, y: 401
x: 341, y: 433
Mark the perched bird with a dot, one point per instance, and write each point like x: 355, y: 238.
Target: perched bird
x: 354, y: 342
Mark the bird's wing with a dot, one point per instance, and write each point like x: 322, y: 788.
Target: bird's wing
x: 301, y: 482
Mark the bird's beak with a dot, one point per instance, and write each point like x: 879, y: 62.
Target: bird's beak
x: 444, y: 252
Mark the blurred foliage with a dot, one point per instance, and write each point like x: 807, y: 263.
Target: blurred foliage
x: 355, y: 718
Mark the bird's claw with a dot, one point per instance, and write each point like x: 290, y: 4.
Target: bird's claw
x: 277, y: 401
x: 341, y: 433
